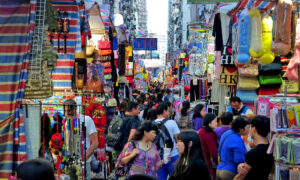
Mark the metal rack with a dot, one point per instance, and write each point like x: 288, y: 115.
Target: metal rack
x: 35, y: 62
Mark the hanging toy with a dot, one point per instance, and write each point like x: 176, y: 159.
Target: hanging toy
x: 256, y: 33
x: 293, y: 66
x: 243, y: 56
x: 267, y: 27
x: 282, y: 45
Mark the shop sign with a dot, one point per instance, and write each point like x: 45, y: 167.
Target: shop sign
x: 228, y: 76
x: 211, y: 1
x: 145, y: 44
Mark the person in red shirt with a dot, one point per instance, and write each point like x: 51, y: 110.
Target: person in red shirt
x: 209, y: 142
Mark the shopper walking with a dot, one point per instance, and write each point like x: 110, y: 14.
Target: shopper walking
x: 226, y: 120
x: 258, y: 163
x: 143, y: 151
x: 209, y: 142
x: 232, y: 149
x: 191, y: 164
x: 163, y: 114
x: 184, y: 117
x: 128, y: 127
x: 199, y: 113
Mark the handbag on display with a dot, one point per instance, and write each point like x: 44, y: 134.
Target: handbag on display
x: 107, y: 76
x: 104, y: 43
x: 107, y: 70
x: 90, y: 48
x: 246, y: 83
x: 250, y: 71
x: 270, y: 80
x: 104, y: 52
x: 226, y: 57
x: 106, y: 64
x: 247, y: 96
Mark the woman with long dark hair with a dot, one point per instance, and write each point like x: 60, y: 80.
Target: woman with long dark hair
x: 199, y: 113
x: 190, y: 164
x: 184, y: 119
x: 146, y: 159
x: 209, y: 142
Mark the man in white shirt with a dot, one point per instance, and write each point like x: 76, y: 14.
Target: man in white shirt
x: 163, y: 112
x: 90, y: 131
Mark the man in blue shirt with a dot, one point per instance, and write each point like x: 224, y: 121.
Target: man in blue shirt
x: 238, y: 109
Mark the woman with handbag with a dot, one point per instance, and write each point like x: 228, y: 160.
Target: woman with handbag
x: 209, y: 142
x: 141, y: 155
x: 191, y: 164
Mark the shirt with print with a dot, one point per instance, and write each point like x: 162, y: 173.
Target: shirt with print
x: 261, y: 163
x: 173, y: 129
x: 144, y: 162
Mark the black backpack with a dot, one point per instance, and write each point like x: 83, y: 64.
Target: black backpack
x: 123, y: 134
x: 162, y: 138
x: 114, y: 130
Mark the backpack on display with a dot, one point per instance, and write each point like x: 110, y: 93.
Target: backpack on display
x: 163, y: 138
x: 114, y: 131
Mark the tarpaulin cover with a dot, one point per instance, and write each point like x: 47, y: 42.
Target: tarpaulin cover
x: 16, y: 27
x: 63, y: 72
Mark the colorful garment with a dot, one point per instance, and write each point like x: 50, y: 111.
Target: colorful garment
x: 144, y: 163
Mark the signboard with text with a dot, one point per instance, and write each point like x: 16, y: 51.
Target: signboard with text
x: 145, y: 44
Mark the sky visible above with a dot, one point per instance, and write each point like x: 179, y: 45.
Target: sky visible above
x: 157, y: 16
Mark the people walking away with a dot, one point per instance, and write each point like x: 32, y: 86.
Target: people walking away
x: 191, y: 164
x: 226, y: 120
x: 70, y: 110
x: 167, y: 96
x: 143, y: 153
x: 128, y: 127
x: 140, y: 177
x: 238, y: 109
x: 168, y: 128
x: 35, y: 169
x: 184, y: 119
x: 232, y: 149
x: 199, y: 113
x: 151, y: 115
x: 209, y: 142
x: 159, y: 97
x: 258, y: 163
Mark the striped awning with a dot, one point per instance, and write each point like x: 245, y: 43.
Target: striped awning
x: 16, y: 29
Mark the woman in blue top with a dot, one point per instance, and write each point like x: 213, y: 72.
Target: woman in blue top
x: 232, y: 149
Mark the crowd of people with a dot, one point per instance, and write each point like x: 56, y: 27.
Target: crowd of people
x: 152, y: 139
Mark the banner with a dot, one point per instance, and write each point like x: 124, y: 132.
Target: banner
x: 210, y: 1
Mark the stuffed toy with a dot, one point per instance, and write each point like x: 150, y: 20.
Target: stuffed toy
x: 282, y: 45
x: 243, y: 56
x: 256, y: 34
x: 292, y: 68
x: 267, y: 27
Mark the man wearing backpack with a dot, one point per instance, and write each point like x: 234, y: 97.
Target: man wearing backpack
x: 127, y: 128
x: 171, y: 129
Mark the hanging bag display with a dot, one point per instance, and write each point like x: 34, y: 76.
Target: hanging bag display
x: 247, y: 96
x: 272, y: 68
